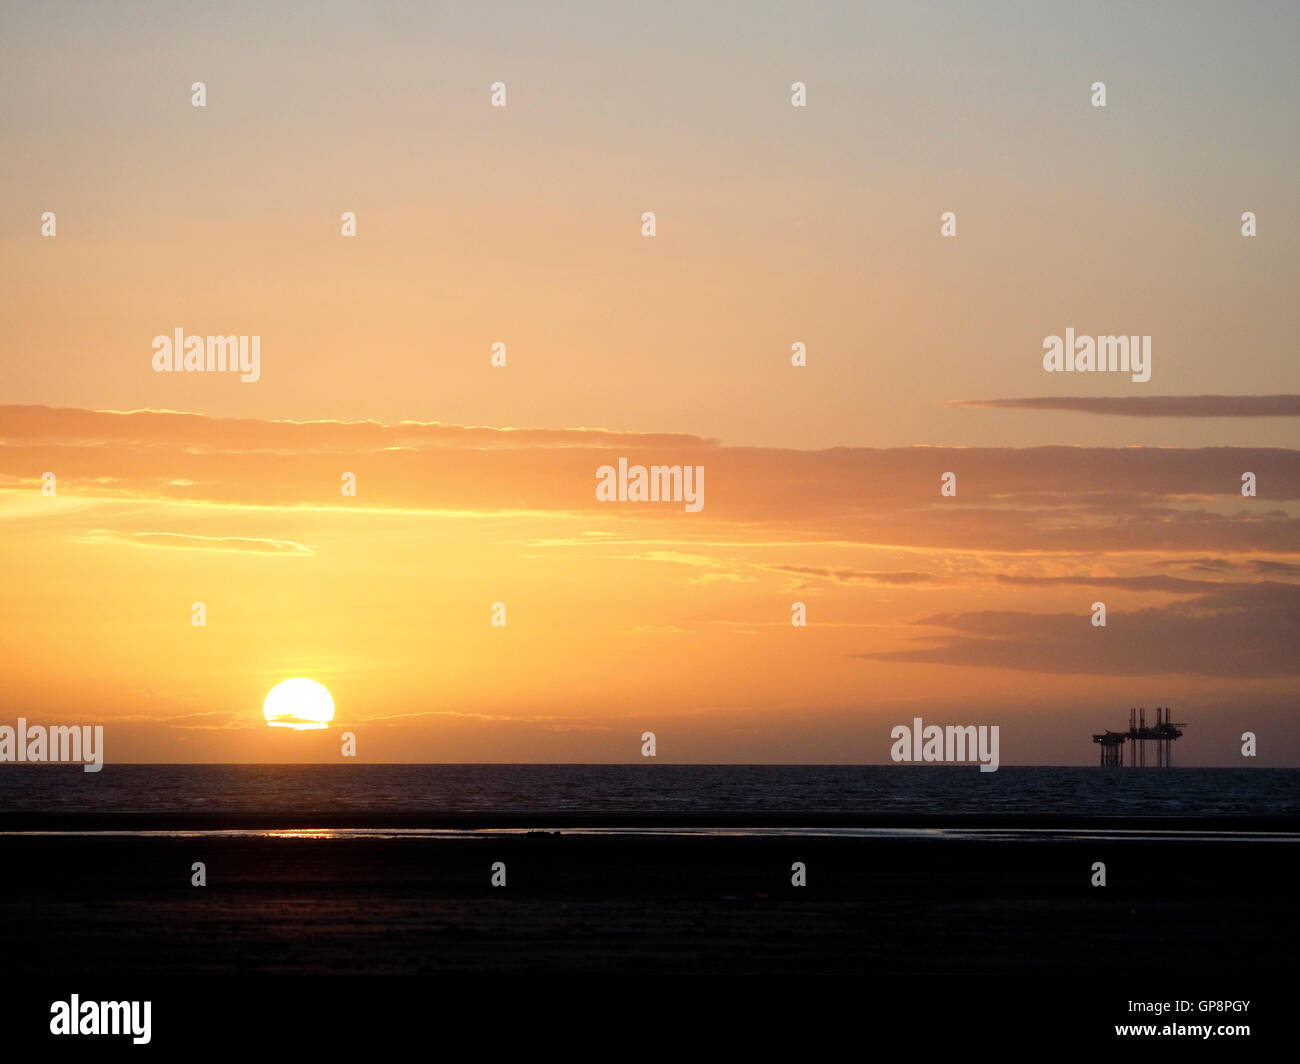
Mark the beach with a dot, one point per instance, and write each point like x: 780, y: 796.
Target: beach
x: 592, y: 901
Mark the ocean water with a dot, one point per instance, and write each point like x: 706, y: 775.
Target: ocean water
x: 645, y: 793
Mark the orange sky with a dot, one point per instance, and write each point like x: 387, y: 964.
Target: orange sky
x: 776, y: 225
x: 624, y: 617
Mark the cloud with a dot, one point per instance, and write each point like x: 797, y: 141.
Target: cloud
x: 1036, y: 499
x: 1169, y: 584
x: 67, y: 425
x: 705, y: 579
x: 1154, y: 405
x: 216, y: 720
x: 181, y: 541
x: 674, y: 556
x: 1240, y: 631
x: 852, y: 576
x: 1250, y: 566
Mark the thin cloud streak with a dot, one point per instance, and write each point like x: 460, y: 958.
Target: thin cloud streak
x: 1190, y: 406
x: 184, y: 541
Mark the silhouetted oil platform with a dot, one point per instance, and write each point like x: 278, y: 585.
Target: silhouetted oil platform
x: 1138, y: 735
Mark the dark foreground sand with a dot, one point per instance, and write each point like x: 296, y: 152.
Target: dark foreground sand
x: 122, y: 905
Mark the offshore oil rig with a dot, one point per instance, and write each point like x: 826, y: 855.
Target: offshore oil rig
x: 1138, y: 735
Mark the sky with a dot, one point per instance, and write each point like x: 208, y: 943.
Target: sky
x: 775, y: 225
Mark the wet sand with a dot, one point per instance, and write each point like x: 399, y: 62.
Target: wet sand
x: 600, y: 903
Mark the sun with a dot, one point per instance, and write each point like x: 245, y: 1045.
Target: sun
x: 298, y: 703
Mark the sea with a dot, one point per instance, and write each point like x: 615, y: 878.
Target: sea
x: 638, y: 797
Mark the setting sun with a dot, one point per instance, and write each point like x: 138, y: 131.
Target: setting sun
x: 298, y: 703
